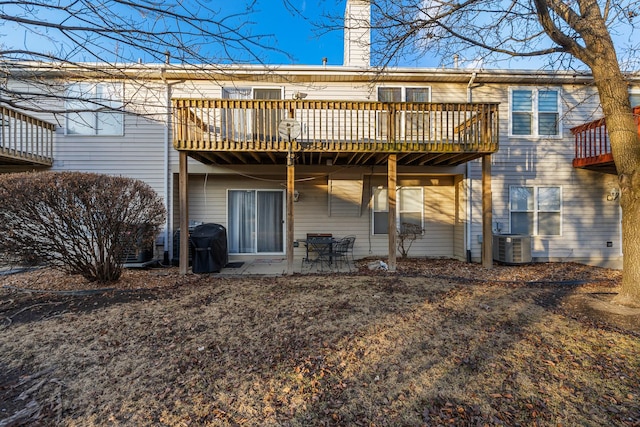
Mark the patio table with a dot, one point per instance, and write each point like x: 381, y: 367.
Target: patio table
x: 318, y: 246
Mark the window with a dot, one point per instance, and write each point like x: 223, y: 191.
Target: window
x: 411, y: 125
x: 635, y: 99
x: 93, y: 109
x: 535, y: 112
x: 410, y: 201
x: 535, y: 210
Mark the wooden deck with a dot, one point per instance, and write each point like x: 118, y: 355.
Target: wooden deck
x: 25, y: 140
x: 226, y: 131
x: 592, y: 146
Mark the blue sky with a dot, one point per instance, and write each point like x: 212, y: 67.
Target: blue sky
x: 296, y: 34
x: 285, y: 29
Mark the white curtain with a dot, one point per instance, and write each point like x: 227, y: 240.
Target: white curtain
x: 270, y: 221
x: 241, y: 227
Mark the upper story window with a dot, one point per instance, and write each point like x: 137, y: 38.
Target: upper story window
x: 244, y: 124
x: 94, y: 109
x: 409, y: 124
x: 404, y: 94
x: 534, y: 112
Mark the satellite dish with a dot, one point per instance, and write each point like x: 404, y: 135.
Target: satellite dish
x: 289, y: 129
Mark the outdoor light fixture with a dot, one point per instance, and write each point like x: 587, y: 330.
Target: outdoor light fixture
x: 614, y: 194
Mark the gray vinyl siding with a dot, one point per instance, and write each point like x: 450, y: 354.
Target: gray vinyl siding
x: 137, y: 154
x: 589, y: 221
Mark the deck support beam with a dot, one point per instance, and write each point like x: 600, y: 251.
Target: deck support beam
x: 487, y: 215
x: 392, y: 179
x: 183, y: 190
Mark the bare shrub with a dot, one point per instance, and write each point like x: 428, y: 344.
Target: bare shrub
x: 407, y: 234
x: 79, y: 223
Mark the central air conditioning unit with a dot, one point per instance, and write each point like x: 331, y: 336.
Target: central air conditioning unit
x: 135, y: 255
x: 512, y: 248
x: 138, y: 255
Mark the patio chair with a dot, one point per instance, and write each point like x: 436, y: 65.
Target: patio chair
x: 341, y: 251
x: 352, y: 241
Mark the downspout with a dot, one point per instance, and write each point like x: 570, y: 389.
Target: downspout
x: 168, y: 211
x: 469, y: 180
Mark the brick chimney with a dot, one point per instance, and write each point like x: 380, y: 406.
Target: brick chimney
x: 357, y: 34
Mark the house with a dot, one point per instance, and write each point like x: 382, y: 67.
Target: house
x: 274, y: 153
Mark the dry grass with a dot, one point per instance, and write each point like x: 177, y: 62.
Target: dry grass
x: 438, y: 343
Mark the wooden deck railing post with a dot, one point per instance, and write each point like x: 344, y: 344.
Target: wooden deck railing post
x: 391, y: 126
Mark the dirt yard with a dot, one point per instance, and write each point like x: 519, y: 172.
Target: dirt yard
x: 437, y: 343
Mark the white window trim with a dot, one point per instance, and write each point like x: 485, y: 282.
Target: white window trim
x: 374, y: 211
x: 403, y: 97
x: 535, y: 134
x: 120, y: 88
x: 252, y: 89
x: 536, y: 211
x: 280, y: 88
x: 398, y: 211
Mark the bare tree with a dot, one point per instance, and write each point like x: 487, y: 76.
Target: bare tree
x: 596, y: 33
x: 105, y: 39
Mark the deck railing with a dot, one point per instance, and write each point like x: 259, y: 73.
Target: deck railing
x: 25, y: 139
x: 592, y: 143
x: 252, y: 125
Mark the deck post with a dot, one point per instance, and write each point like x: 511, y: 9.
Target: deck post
x: 183, y: 189
x: 291, y: 173
x: 392, y: 179
x: 487, y: 215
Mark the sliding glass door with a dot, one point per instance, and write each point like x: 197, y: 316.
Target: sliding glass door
x: 255, y: 221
